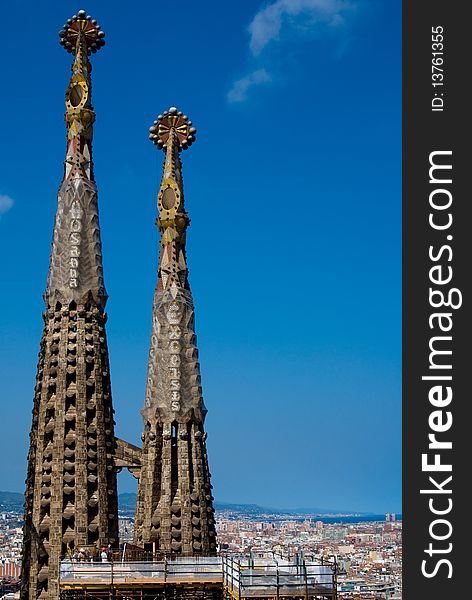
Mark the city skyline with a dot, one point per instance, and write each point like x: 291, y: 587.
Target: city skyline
x: 304, y: 321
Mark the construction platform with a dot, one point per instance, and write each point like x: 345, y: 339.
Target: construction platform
x: 226, y: 577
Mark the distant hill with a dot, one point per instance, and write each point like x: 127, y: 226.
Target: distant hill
x: 13, y: 501
x: 255, y: 509
x: 246, y: 508
x: 127, y: 503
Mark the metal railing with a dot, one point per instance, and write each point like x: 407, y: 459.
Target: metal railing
x: 256, y: 577
x: 114, y: 572
x: 241, y: 576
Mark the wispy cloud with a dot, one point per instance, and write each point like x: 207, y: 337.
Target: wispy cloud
x: 239, y: 91
x: 268, y: 22
x: 5, y: 204
x: 283, y: 16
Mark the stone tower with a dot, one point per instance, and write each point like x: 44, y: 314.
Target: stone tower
x: 174, y: 512
x: 71, y: 497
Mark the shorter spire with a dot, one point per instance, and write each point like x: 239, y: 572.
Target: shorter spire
x: 174, y: 510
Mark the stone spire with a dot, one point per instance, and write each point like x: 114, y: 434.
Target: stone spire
x: 174, y: 511
x: 71, y: 498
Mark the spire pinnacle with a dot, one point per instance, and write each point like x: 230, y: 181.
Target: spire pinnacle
x: 76, y: 259
x: 172, y: 131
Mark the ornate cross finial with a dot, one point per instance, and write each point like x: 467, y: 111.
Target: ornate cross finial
x: 82, y: 28
x: 175, y: 125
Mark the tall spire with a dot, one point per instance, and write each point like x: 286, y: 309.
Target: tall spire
x: 76, y: 271
x: 175, y: 506
x: 71, y: 497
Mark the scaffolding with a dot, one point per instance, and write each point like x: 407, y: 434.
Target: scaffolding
x: 200, y: 578
x: 278, y: 578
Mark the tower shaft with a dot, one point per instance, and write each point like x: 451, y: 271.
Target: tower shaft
x: 174, y: 511
x: 71, y: 496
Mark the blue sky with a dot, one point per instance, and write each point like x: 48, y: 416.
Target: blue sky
x: 294, y: 249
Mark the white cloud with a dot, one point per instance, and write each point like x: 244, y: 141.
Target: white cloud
x: 268, y: 22
x: 5, y: 204
x: 239, y: 91
x: 289, y: 16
